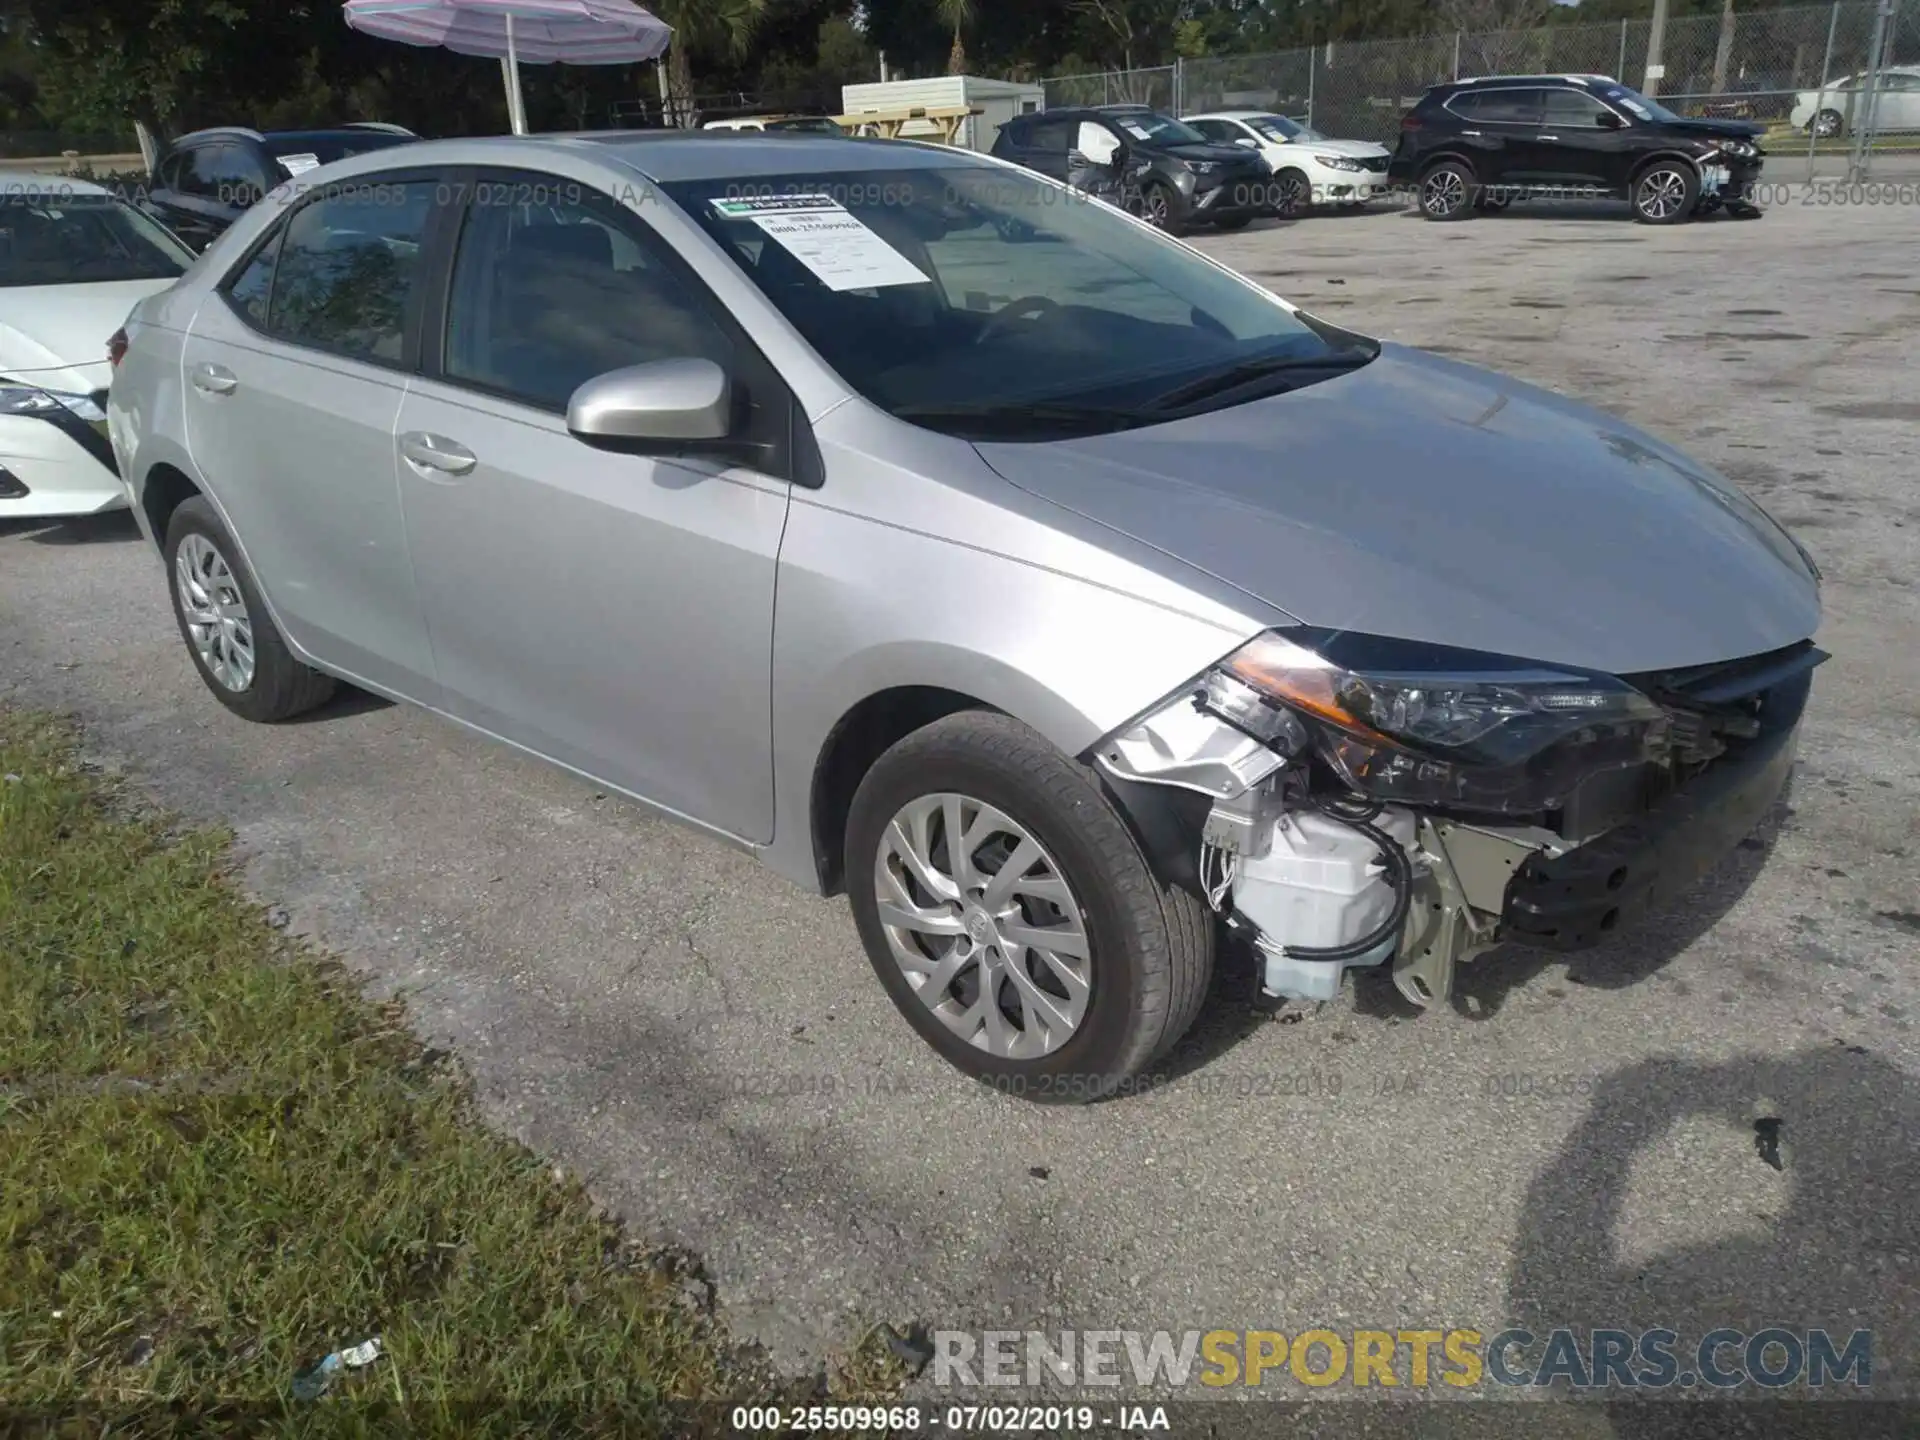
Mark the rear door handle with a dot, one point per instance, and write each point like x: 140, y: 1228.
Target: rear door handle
x: 213, y: 379
x: 435, y: 452
x: 1474, y: 133
x: 1546, y: 137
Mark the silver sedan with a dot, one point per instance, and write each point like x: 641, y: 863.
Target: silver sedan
x: 950, y: 539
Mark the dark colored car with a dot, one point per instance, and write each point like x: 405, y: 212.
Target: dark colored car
x: 206, y: 180
x: 1183, y: 178
x: 1479, y: 144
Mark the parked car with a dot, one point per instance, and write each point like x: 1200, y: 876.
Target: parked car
x: 1479, y: 144
x: 1837, y: 107
x: 74, y: 260
x: 778, y: 124
x: 1308, y: 168
x: 1184, y: 179
x: 205, y: 181
x: 1046, y: 597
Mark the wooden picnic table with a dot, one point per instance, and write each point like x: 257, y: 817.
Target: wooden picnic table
x: 887, y: 124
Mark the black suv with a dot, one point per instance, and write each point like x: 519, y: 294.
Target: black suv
x: 1183, y: 178
x: 1478, y: 144
x: 205, y: 181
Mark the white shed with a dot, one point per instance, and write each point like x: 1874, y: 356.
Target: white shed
x: 998, y: 101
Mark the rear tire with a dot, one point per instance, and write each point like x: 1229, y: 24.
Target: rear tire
x: 1146, y: 947
x: 224, y: 622
x: 1449, y: 191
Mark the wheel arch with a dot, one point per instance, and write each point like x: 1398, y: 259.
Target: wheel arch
x: 1440, y: 157
x: 1647, y: 162
x: 163, y: 490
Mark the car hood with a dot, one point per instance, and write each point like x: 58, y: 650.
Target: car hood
x: 56, y: 335
x: 1725, y: 129
x: 1425, y: 499
x: 1352, y: 149
x: 1219, y: 154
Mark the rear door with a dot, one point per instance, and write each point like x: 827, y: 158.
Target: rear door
x: 613, y: 612
x: 295, y: 370
x: 1501, y: 128
x: 1046, y: 145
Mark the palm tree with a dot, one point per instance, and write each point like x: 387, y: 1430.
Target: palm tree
x: 956, y: 13
x: 727, y: 24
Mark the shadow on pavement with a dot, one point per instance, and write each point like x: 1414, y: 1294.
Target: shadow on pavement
x: 112, y: 526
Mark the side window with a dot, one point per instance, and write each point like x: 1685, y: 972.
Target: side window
x: 171, y: 170
x: 345, y: 277
x: 1513, y: 107
x: 1219, y: 131
x: 1050, y: 135
x: 235, y: 174
x: 1573, y: 107
x: 196, y: 172
x: 250, y: 291
x: 547, y: 296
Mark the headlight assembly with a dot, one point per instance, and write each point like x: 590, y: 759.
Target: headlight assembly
x: 1419, y: 724
x: 1338, y: 162
x: 30, y: 400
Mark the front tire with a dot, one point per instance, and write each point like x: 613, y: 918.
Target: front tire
x: 1011, y: 915
x: 1293, y: 193
x: 1449, y: 191
x: 1160, y: 207
x: 234, y: 645
x: 1828, y: 125
x: 1665, y: 193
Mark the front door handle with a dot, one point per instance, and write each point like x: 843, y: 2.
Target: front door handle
x: 1474, y: 133
x: 435, y: 452
x: 213, y: 379
x: 1546, y: 137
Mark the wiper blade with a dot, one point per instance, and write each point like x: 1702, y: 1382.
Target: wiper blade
x: 1247, y: 371
x: 1016, y: 415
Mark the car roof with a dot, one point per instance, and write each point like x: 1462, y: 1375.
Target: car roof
x: 31, y: 184
x: 1563, y: 79
x: 668, y: 156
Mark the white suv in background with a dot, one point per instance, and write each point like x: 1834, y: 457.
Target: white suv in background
x: 1308, y: 168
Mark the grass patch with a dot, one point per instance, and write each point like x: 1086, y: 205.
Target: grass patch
x: 220, y: 1163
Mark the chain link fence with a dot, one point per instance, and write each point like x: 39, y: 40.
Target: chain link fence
x: 1841, y: 78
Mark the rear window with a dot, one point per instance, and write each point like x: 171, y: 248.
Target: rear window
x: 66, y: 239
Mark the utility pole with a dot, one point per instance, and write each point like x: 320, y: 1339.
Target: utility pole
x: 1656, y: 36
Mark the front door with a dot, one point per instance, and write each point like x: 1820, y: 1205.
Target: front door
x: 294, y: 371
x: 1583, y: 145
x: 613, y: 612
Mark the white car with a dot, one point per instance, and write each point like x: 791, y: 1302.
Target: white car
x: 74, y: 260
x: 803, y: 124
x: 1308, y: 168
x: 1832, y: 110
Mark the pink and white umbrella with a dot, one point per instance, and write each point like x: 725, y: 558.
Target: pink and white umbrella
x: 539, y: 32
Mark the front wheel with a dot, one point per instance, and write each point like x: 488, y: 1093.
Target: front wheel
x: 1828, y: 124
x: 1293, y: 192
x: 1665, y: 193
x: 1159, y: 208
x: 1012, y: 917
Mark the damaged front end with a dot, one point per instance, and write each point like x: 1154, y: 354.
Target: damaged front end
x: 1383, y: 802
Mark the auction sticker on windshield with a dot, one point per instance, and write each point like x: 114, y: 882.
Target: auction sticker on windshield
x: 829, y: 240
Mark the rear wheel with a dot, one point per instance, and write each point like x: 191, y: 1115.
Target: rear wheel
x: 234, y: 645
x: 1010, y: 914
x: 1448, y: 191
x: 1665, y: 192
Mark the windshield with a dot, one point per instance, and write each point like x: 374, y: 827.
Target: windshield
x: 1278, y: 127
x: 297, y: 153
x: 1156, y: 129
x: 812, y: 124
x: 83, y: 239
x: 985, y: 290
x: 1639, y: 105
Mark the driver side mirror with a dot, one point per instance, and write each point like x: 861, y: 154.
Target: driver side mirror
x: 664, y: 407
x: 1611, y: 121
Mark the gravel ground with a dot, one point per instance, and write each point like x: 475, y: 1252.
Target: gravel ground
x: 1572, y: 1143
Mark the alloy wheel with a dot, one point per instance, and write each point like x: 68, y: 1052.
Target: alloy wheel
x: 1294, y: 199
x: 1443, y: 193
x: 983, y: 925
x: 1663, y: 191
x: 215, y: 611
x: 1157, y: 208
